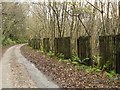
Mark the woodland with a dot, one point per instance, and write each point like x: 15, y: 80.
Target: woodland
x: 82, y: 32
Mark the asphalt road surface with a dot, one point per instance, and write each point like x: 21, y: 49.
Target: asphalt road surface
x: 17, y: 72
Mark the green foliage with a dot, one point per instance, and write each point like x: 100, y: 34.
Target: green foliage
x: 61, y: 56
x: 75, y: 63
x: 111, y: 74
x: 21, y: 41
x: 107, y: 65
x: 75, y: 58
x: 41, y: 49
x: 80, y: 64
x: 13, y: 23
x: 81, y: 67
x: 87, y: 69
x: 93, y: 70
x: 84, y: 61
x: 96, y: 60
x: 66, y: 61
x: 51, y: 54
x: 8, y: 41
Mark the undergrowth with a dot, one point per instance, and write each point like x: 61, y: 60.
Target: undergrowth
x: 8, y: 41
x: 81, y: 64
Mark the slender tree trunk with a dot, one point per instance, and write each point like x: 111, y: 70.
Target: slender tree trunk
x: 119, y: 18
x: 103, y: 23
x: 107, y: 23
x: 93, y: 33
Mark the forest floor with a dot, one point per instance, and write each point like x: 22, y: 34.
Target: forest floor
x: 65, y: 75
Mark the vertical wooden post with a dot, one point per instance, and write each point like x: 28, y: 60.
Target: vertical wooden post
x: 118, y: 54
x: 46, y: 44
x: 84, y: 49
x: 63, y: 46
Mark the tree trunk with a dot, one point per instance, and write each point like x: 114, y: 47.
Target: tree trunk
x: 119, y: 18
x: 107, y: 23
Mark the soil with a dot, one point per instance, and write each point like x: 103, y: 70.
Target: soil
x: 65, y: 75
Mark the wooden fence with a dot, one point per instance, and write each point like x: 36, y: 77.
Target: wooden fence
x: 110, y: 51
x: 118, y: 54
x: 63, y: 46
x: 46, y: 44
x: 34, y: 43
x: 84, y: 49
x: 30, y: 42
x: 38, y: 44
x: 109, y: 47
x: 107, y: 50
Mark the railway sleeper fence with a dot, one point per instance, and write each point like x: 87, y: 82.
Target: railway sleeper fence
x: 46, y: 45
x: 109, y: 49
x: 63, y: 46
x: 84, y: 49
x: 34, y: 43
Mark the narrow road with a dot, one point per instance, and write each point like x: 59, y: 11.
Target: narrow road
x: 17, y: 72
